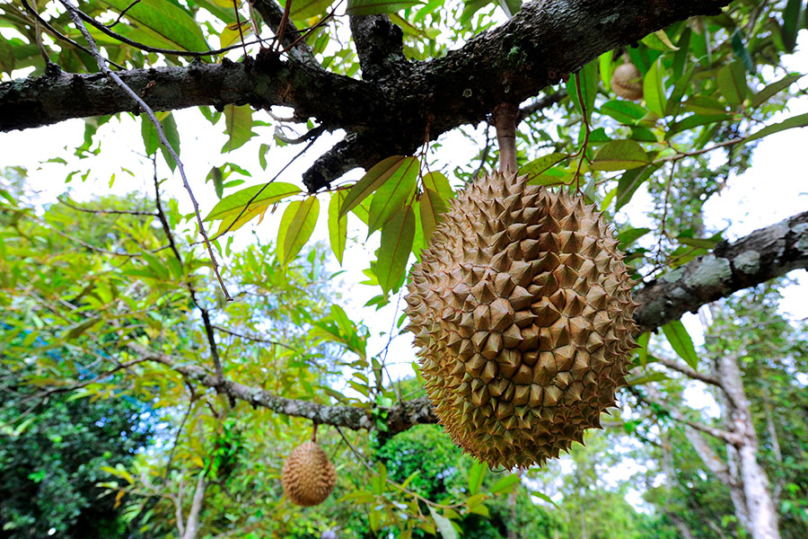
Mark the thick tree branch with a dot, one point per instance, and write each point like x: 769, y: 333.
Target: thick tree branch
x: 380, y: 46
x: 762, y: 255
x: 399, y: 417
x: 542, y: 44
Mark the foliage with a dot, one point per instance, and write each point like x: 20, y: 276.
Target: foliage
x: 52, y: 455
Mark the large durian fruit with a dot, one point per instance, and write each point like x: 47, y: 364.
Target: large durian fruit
x: 308, y: 477
x: 522, y: 311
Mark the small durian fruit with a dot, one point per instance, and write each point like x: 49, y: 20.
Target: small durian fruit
x: 308, y: 477
x: 627, y: 81
x: 522, y: 311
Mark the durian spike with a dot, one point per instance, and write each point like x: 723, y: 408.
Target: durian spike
x: 505, y: 118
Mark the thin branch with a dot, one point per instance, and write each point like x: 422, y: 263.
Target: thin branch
x: 690, y: 373
x: 676, y: 415
x: 74, y: 15
x: 121, y: 15
x: 107, y: 212
x: 251, y: 338
x: 540, y: 104
x: 63, y: 37
x: 214, y: 350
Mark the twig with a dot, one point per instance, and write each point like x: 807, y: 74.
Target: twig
x: 255, y: 196
x: 74, y: 15
x: 586, y: 132
x: 130, y: 6
x: 252, y: 338
x: 108, y: 212
x: 63, y: 37
x: 393, y: 483
x: 179, y: 431
x: 171, y: 52
x: 214, y: 350
x: 665, y: 212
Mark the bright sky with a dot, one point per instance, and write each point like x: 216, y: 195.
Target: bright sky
x: 774, y: 188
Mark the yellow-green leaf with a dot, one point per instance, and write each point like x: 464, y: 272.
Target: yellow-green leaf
x: 654, y: 89
x: 393, y: 194
x: 337, y: 226
x: 297, y: 224
x: 238, y: 126
x: 620, y: 155
x: 260, y: 195
x: 167, y: 24
x: 372, y: 180
x: 731, y: 80
x: 397, y: 236
x: 797, y: 121
x: 681, y: 342
x: 540, y: 165
x: 432, y: 206
x: 375, y: 7
x: 438, y: 182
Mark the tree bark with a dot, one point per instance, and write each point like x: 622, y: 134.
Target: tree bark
x: 760, y: 507
x: 390, y: 112
x: 192, y: 523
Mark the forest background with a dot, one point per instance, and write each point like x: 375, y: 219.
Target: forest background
x: 113, y: 422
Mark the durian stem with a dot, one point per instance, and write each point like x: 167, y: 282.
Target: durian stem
x: 505, y: 120
x: 314, y: 433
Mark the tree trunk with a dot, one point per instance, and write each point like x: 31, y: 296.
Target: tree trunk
x: 192, y: 524
x: 760, y: 507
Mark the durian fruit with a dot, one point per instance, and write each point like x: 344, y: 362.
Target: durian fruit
x: 627, y: 81
x: 522, y: 311
x: 308, y: 477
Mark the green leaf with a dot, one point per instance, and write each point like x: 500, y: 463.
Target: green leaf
x: 647, y: 379
x: 164, y: 22
x: 791, y: 123
x: 681, y: 342
x: 149, y: 135
x: 374, y: 178
x: 173, y: 136
x: 337, y: 226
x: 629, y: 182
x: 432, y: 206
x: 262, y: 156
x: 297, y: 224
x: 625, y: 112
x: 589, y: 87
x: 375, y: 7
x: 505, y: 484
x: 791, y: 24
x: 620, y: 155
x: 654, y: 89
x: 6, y: 57
x: 731, y: 80
x: 266, y: 194
x: 238, y: 126
x: 741, y: 52
x: 393, y: 194
x: 476, y: 476
x: 443, y: 525
x: 215, y: 175
x: 769, y: 91
x: 642, y: 351
x: 707, y: 105
x: 680, y: 58
x: 542, y: 164
x: 695, y: 120
x: 305, y: 9
x: 438, y: 182
x: 627, y: 237
x: 397, y: 236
